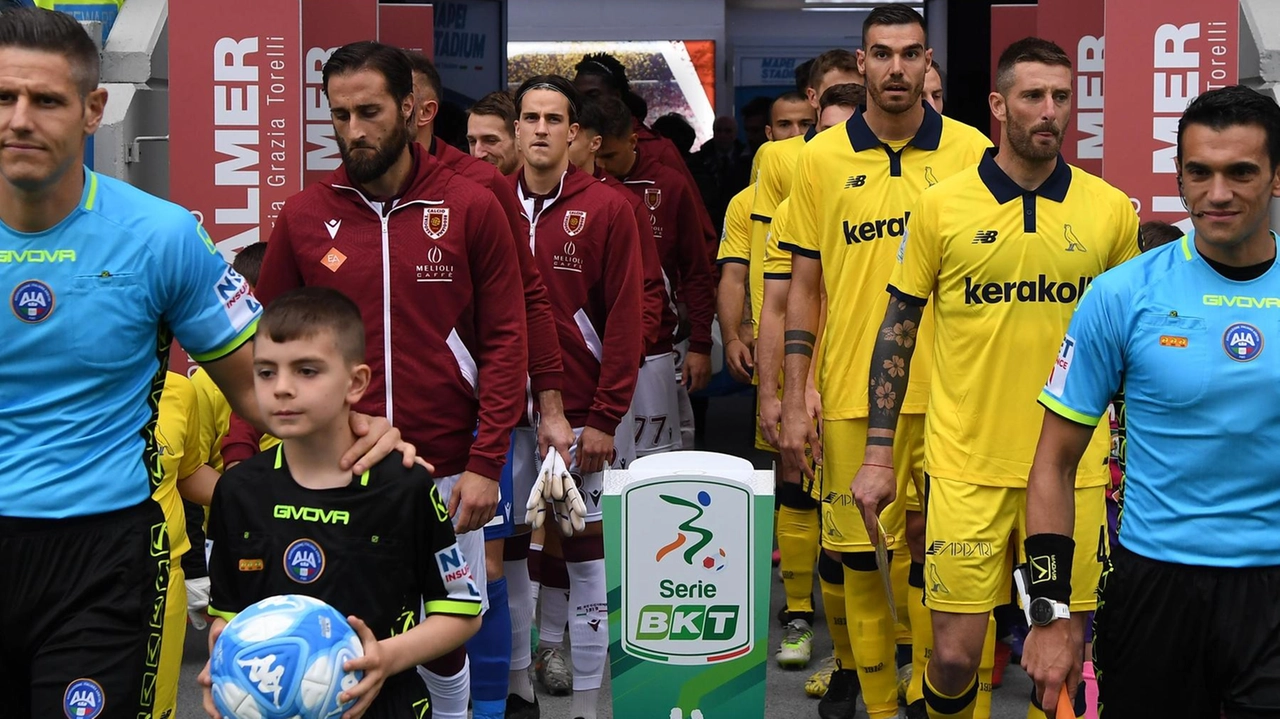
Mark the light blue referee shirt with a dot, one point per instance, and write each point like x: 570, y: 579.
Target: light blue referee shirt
x: 93, y: 304
x: 1202, y: 399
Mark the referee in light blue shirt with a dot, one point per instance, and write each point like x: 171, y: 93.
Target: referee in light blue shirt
x: 1188, y: 619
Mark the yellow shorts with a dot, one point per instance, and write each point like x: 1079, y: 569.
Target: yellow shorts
x: 913, y: 498
x: 970, y: 530
x: 843, y: 445
x: 172, y: 638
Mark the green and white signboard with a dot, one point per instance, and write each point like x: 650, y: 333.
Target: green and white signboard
x: 687, y: 552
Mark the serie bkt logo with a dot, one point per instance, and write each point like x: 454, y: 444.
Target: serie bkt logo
x: 687, y: 581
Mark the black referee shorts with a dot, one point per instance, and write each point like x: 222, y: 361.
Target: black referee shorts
x: 81, y: 609
x: 1173, y: 640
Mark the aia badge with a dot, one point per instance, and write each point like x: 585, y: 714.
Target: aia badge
x: 1242, y: 342
x: 32, y: 301
x: 83, y: 699
x: 652, y: 198
x: 304, y: 561
x: 574, y: 221
x: 435, y: 221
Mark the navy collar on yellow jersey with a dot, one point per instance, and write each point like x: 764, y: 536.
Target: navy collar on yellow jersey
x: 926, y: 138
x: 1005, y: 189
x: 811, y: 133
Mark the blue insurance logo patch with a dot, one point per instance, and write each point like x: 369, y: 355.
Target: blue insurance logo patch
x: 304, y: 561
x: 83, y: 699
x: 1242, y: 342
x: 32, y: 301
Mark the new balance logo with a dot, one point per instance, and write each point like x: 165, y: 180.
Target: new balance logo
x: 855, y: 181
x: 985, y: 237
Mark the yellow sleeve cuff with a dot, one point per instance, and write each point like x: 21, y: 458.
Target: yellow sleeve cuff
x: 1052, y: 404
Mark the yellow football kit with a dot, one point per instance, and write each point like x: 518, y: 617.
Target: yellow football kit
x: 850, y: 200
x: 1005, y: 267
x: 177, y: 437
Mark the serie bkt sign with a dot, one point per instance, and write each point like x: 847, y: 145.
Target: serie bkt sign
x: 687, y: 577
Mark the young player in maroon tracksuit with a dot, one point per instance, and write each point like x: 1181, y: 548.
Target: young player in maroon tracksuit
x: 671, y: 204
x: 489, y: 650
x: 427, y: 256
x: 585, y: 240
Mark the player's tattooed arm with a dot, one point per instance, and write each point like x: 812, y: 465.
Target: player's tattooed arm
x: 799, y: 342
x: 890, y: 368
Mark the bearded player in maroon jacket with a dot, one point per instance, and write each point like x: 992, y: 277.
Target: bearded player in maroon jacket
x: 429, y: 259
x: 585, y: 240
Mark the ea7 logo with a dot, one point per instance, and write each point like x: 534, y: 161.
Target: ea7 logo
x: 855, y: 181
x: 985, y: 237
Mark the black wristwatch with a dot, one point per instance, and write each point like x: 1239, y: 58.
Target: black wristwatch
x: 1044, y: 611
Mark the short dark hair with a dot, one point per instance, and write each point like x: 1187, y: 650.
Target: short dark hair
x: 758, y: 107
x: 54, y: 32
x: 636, y: 104
x: 555, y: 83
x: 497, y: 104
x: 892, y: 15
x: 837, y: 59
x: 390, y: 62
x: 606, y: 66
x: 617, y: 118
x: 933, y: 65
x: 1155, y: 233
x: 1028, y: 49
x: 422, y: 65
x: 248, y: 261
x: 675, y: 128
x: 304, y: 312
x: 802, y: 75
x: 846, y: 94
x: 1235, y: 105
x: 590, y: 117
x: 788, y: 96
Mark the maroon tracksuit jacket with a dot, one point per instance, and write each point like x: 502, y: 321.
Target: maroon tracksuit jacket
x: 584, y: 237
x: 436, y: 277
x: 546, y: 371
x: 657, y: 299
x: 672, y: 204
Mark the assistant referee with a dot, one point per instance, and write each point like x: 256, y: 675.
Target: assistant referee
x: 1188, y: 622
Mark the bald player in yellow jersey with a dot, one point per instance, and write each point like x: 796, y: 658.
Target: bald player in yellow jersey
x: 852, y: 191
x: 1005, y: 249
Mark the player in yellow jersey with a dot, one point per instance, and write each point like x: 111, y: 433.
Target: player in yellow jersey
x: 740, y: 260
x: 852, y: 190
x: 177, y: 438
x: 1006, y: 249
x: 797, y: 516
x: 834, y: 684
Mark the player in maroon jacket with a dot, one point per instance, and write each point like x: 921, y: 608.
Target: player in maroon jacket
x: 582, y: 153
x: 672, y: 207
x: 585, y: 240
x: 490, y: 649
x: 426, y: 255
x: 602, y: 75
